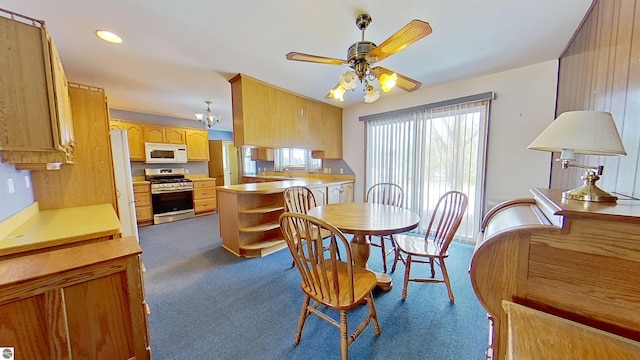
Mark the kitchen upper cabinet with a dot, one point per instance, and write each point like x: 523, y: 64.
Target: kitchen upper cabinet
x: 135, y: 137
x: 36, y: 127
x: 261, y: 154
x: 197, y: 145
x: 257, y: 113
x: 307, y: 125
x: 161, y: 134
x: 265, y: 116
x: 330, y: 133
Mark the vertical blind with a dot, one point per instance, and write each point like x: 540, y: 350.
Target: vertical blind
x: 429, y: 152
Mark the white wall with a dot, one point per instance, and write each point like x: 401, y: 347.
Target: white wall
x: 524, y: 106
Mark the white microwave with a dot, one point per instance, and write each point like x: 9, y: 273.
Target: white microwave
x: 157, y: 153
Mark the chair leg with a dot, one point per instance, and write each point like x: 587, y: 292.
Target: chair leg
x: 303, y: 316
x: 374, y: 314
x: 344, y: 341
x: 407, y: 269
x: 446, y: 279
x: 396, y: 257
x: 433, y: 271
x: 384, y: 254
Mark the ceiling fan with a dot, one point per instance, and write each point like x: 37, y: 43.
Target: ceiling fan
x: 363, y: 54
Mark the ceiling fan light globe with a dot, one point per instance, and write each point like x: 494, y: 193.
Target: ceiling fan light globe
x: 387, y: 82
x: 338, y: 92
x: 371, y: 96
x: 349, y: 80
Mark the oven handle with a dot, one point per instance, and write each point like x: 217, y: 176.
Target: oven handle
x: 173, y: 213
x: 153, y: 192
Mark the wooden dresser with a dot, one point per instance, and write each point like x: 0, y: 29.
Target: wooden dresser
x: 79, y: 302
x: 575, y: 261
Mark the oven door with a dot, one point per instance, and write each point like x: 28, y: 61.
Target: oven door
x: 171, y: 206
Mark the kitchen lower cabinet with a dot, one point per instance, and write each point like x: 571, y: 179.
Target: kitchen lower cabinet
x: 340, y: 193
x: 204, y: 196
x: 142, y: 196
x: 81, y: 302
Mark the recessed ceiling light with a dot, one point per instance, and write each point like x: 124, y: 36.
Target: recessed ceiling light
x: 108, y: 36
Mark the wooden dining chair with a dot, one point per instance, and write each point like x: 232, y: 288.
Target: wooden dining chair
x: 299, y: 199
x: 387, y: 194
x: 433, y: 247
x: 326, y: 280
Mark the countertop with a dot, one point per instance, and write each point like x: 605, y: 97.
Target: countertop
x: 62, y: 226
x: 279, y: 186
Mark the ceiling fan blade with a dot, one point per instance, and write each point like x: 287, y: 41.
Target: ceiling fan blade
x: 403, y: 82
x: 410, y: 33
x: 314, y: 58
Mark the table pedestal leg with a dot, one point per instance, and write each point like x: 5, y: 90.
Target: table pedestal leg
x: 360, y: 249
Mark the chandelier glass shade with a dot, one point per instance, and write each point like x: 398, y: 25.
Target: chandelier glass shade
x: 208, y: 118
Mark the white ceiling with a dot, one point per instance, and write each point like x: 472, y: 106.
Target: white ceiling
x: 176, y: 54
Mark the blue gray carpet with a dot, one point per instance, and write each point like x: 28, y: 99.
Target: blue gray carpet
x: 208, y: 304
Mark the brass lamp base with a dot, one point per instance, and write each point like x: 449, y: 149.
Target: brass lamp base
x: 589, y: 191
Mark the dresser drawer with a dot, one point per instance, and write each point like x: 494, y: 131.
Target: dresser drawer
x: 204, y: 205
x: 204, y: 184
x: 143, y: 213
x: 142, y: 199
x: 204, y: 193
x: 141, y: 188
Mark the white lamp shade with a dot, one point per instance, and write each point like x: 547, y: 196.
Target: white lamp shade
x: 584, y: 132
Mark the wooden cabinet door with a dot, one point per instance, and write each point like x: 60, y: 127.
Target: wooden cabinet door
x: 116, y: 125
x: 174, y: 136
x: 63, y: 102
x: 331, y: 132
x: 135, y: 136
x: 320, y: 194
x: 26, y: 108
x: 90, y: 181
x: 197, y: 145
x: 154, y: 134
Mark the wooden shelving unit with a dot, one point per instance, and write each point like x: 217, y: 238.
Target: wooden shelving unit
x: 251, y: 223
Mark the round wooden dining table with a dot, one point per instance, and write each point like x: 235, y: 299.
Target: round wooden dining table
x: 362, y: 219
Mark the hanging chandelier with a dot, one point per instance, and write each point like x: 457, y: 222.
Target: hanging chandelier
x: 208, y: 118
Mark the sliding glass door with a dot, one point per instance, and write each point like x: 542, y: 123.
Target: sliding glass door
x: 429, y: 152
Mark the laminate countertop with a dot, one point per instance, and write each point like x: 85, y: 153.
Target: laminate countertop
x: 51, y: 228
x: 279, y: 186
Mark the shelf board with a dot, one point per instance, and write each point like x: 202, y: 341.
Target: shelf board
x: 260, y: 227
x: 262, y: 210
x: 263, y: 248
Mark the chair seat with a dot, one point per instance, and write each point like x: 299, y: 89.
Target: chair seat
x: 364, y: 281
x: 415, y: 246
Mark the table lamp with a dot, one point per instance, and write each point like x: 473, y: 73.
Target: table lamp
x: 582, y: 132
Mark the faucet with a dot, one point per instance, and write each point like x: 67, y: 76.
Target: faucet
x: 288, y: 172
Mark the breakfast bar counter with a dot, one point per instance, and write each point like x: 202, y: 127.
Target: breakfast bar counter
x: 249, y: 213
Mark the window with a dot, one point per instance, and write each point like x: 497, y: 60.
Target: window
x: 430, y: 150
x: 290, y: 158
x: 248, y: 165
